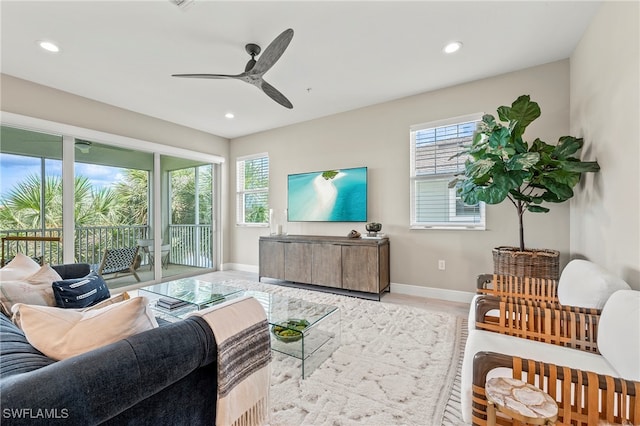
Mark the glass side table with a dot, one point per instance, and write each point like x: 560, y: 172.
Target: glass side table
x: 311, y: 341
x: 173, y: 300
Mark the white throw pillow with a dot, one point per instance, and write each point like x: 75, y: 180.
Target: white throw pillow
x: 619, y: 333
x: 12, y: 292
x: 32, y: 290
x: 44, y: 275
x: 62, y: 333
x: 585, y: 284
x: 21, y: 266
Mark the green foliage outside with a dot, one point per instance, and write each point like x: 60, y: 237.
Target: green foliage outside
x: 183, y: 184
x: 256, y: 204
x: 125, y: 203
x: 501, y: 165
x: 21, y: 208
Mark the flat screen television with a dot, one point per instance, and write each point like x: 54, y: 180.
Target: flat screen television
x: 338, y: 195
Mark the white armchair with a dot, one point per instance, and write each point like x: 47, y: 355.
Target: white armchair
x: 588, y: 386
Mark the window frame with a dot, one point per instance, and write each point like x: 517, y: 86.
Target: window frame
x: 242, y: 191
x: 456, y: 221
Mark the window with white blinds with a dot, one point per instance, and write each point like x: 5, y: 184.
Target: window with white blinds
x: 252, y: 177
x: 433, y: 166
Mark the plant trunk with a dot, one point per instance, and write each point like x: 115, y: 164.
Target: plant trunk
x: 520, y: 214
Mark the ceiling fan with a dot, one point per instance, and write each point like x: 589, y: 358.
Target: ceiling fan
x: 254, y: 70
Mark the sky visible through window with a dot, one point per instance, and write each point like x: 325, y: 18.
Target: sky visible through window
x: 15, y: 168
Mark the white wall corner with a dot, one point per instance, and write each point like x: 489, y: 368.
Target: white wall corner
x: 433, y: 293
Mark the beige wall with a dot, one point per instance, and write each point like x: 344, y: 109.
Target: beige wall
x: 605, y: 110
x: 378, y: 137
x: 33, y: 100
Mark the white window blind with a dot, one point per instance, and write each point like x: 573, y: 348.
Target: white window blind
x: 433, y: 203
x: 252, y: 177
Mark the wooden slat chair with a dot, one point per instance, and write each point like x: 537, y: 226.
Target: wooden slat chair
x: 584, y: 398
x: 119, y: 262
x: 600, y: 382
x: 528, y: 288
x: 583, y: 288
x: 565, y: 326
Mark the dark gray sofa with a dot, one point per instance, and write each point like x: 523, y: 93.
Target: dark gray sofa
x: 164, y: 376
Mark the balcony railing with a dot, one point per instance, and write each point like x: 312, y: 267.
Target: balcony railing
x: 191, y: 245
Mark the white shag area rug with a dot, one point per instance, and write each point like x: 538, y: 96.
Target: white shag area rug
x: 395, y: 366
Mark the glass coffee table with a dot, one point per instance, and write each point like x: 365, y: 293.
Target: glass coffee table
x: 304, y: 330
x: 173, y: 300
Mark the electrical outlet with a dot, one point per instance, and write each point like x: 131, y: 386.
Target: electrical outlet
x: 441, y: 265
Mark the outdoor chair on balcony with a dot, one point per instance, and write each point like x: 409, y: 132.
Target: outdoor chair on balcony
x: 147, y: 248
x: 119, y: 261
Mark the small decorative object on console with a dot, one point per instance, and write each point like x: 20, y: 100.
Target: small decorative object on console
x: 353, y: 234
x: 373, y: 228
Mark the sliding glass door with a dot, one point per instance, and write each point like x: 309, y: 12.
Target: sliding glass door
x: 31, y: 193
x: 157, y: 209
x: 112, y: 205
x: 189, y: 211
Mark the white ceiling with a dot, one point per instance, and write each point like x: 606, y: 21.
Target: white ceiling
x: 343, y: 56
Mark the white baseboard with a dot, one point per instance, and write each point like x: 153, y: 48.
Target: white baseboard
x: 434, y: 293
x: 408, y: 289
x: 239, y: 267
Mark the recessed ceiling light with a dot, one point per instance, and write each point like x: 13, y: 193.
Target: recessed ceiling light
x: 229, y: 115
x: 49, y: 46
x: 452, y: 47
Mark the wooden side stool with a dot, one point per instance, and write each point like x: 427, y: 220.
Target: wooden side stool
x: 519, y: 400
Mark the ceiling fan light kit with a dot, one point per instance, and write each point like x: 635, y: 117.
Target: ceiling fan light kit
x: 255, y: 69
x: 83, y: 146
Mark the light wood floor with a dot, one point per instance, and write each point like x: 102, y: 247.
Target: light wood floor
x: 456, y: 308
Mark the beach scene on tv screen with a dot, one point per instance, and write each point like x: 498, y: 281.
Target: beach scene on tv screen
x: 328, y: 196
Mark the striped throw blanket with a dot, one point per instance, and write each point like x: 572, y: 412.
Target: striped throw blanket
x: 242, y: 334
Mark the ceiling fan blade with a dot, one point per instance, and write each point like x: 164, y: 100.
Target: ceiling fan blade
x: 213, y: 76
x: 273, y: 52
x: 274, y: 94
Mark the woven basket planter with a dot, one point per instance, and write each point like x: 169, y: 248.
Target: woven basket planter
x: 538, y: 263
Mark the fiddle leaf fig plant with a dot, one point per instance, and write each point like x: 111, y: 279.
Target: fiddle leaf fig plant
x: 502, y: 165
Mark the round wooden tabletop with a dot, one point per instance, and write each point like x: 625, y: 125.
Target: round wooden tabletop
x: 521, y: 401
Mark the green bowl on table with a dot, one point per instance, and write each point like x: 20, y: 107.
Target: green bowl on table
x: 290, y: 330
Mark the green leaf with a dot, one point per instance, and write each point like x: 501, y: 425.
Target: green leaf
x: 479, y: 168
x: 454, y: 182
x: 520, y: 196
x: 562, y: 191
x: 580, y: 166
x: 541, y: 147
x: 537, y: 209
x: 567, y: 146
x: 523, y: 111
x: 520, y: 145
x: 477, y: 138
x: 492, y: 194
x: 523, y: 161
x: 550, y: 197
x: 565, y: 177
x: 499, y: 138
x: 504, y: 113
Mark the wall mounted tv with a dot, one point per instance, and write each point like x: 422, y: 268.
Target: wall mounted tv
x: 338, y: 195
